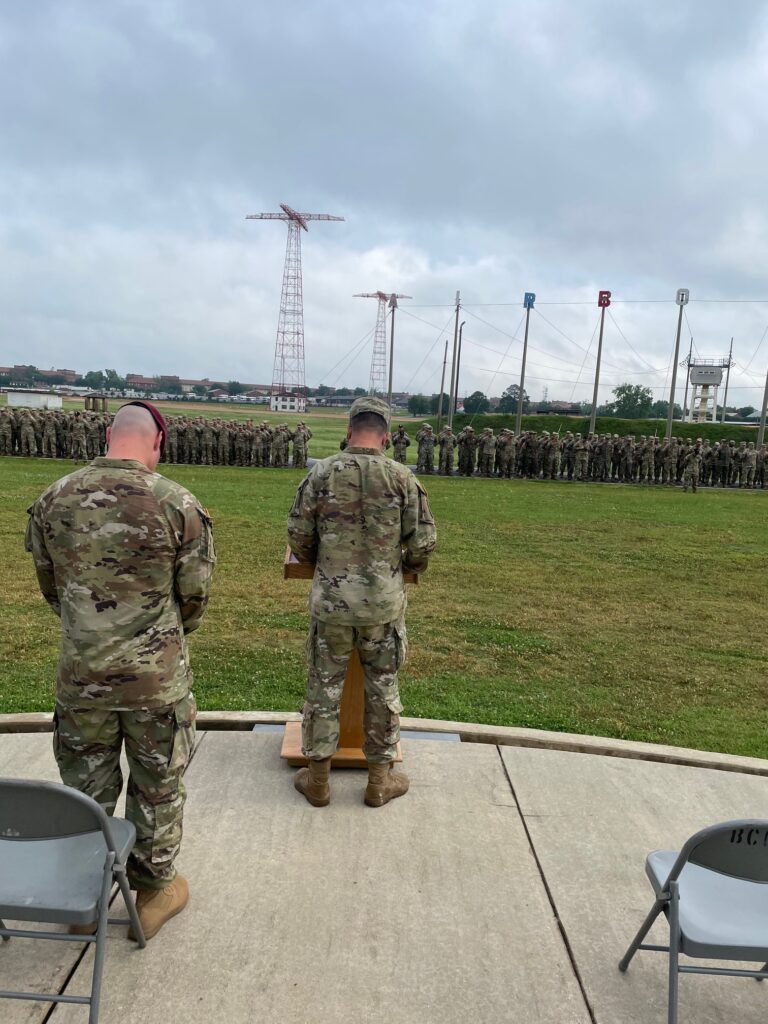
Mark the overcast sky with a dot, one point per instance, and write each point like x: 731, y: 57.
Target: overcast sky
x: 493, y: 147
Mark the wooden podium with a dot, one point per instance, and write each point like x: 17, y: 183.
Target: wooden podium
x: 351, y: 735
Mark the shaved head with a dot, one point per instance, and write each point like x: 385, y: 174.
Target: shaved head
x: 134, y: 436
x: 133, y: 421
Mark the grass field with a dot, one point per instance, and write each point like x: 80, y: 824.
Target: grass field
x: 621, y: 611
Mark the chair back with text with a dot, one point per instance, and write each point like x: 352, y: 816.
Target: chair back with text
x: 32, y: 810
x: 738, y: 849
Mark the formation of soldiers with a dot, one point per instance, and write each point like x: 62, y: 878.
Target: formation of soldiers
x: 546, y: 456
x: 53, y: 434
x: 191, y: 441
x: 216, y: 442
x: 594, y: 457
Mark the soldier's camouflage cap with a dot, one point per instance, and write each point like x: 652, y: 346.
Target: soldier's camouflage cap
x: 369, y: 404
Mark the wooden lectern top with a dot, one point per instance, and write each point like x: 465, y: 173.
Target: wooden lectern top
x: 293, y: 569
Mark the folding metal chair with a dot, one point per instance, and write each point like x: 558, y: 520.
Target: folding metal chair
x: 59, y: 855
x: 714, y: 895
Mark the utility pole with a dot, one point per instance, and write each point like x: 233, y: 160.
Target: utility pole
x: 727, y: 382
x: 453, y: 359
x: 442, y: 385
x: 392, y: 308
x: 603, y: 301
x: 761, y: 431
x: 682, y: 301
x: 687, y: 378
x: 528, y: 300
x: 458, y: 368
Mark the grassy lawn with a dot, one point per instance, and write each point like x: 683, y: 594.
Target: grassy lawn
x: 621, y: 611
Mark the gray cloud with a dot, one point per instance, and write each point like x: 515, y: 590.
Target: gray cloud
x: 489, y: 147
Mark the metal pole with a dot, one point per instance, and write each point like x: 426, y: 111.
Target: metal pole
x: 603, y: 300
x: 453, y: 359
x: 442, y: 385
x: 458, y: 368
x: 519, y: 412
x: 727, y: 380
x: 687, y: 378
x: 761, y: 431
x: 393, y: 307
x: 681, y: 300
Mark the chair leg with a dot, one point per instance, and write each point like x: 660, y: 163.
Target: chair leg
x: 6, y: 938
x: 645, y: 927
x: 101, y: 941
x: 130, y: 906
x: 674, y: 953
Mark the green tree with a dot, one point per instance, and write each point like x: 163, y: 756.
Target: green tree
x: 94, y: 379
x: 112, y: 379
x: 746, y: 411
x: 509, y: 399
x: 360, y: 391
x: 234, y: 387
x: 418, y: 405
x: 660, y: 409
x: 476, y: 402
x: 632, y: 401
x: 200, y: 389
x: 434, y: 404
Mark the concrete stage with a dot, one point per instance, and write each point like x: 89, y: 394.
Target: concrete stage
x: 504, y: 887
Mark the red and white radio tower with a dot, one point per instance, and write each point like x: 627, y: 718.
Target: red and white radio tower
x: 288, y: 382
x: 377, y: 384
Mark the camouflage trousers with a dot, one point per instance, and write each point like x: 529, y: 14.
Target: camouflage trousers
x: 382, y: 650
x: 446, y: 462
x: 690, y: 477
x: 158, y: 746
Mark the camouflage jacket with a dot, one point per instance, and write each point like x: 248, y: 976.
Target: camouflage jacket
x: 124, y: 557
x: 361, y: 518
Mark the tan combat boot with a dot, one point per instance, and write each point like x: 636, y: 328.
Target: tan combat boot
x: 156, y: 906
x: 82, y: 929
x: 384, y: 785
x: 312, y: 782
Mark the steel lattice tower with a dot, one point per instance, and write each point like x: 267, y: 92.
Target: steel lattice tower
x: 377, y: 384
x: 288, y: 370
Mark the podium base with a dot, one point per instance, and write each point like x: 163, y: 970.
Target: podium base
x: 345, y: 757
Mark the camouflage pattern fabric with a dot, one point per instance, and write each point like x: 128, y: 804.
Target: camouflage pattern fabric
x: 361, y: 517
x: 382, y: 650
x: 158, y: 745
x: 125, y: 558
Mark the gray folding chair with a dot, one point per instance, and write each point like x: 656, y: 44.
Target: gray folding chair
x: 59, y: 855
x: 714, y: 895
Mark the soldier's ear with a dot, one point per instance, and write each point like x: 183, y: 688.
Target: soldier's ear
x: 109, y: 434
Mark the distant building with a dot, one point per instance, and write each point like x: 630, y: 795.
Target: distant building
x: 288, y: 402
x: 19, y: 399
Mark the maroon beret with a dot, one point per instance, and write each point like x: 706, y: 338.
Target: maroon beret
x: 156, y: 415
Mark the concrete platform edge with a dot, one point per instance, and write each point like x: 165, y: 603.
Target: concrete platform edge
x: 504, y: 736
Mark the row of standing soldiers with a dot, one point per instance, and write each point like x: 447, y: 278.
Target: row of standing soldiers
x: 217, y: 442
x: 52, y: 434
x: 191, y: 441
x: 594, y: 457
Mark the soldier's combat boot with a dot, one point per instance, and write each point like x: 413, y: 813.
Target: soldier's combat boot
x: 156, y: 906
x: 82, y: 929
x: 384, y: 784
x: 312, y: 782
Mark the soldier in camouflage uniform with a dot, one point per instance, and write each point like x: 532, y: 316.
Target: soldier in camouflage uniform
x: 124, y: 557
x: 426, y: 442
x: 486, y: 452
x: 691, y: 466
x: 446, y: 439
x: 400, y: 442
x: 362, y: 519
x: 6, y: 432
